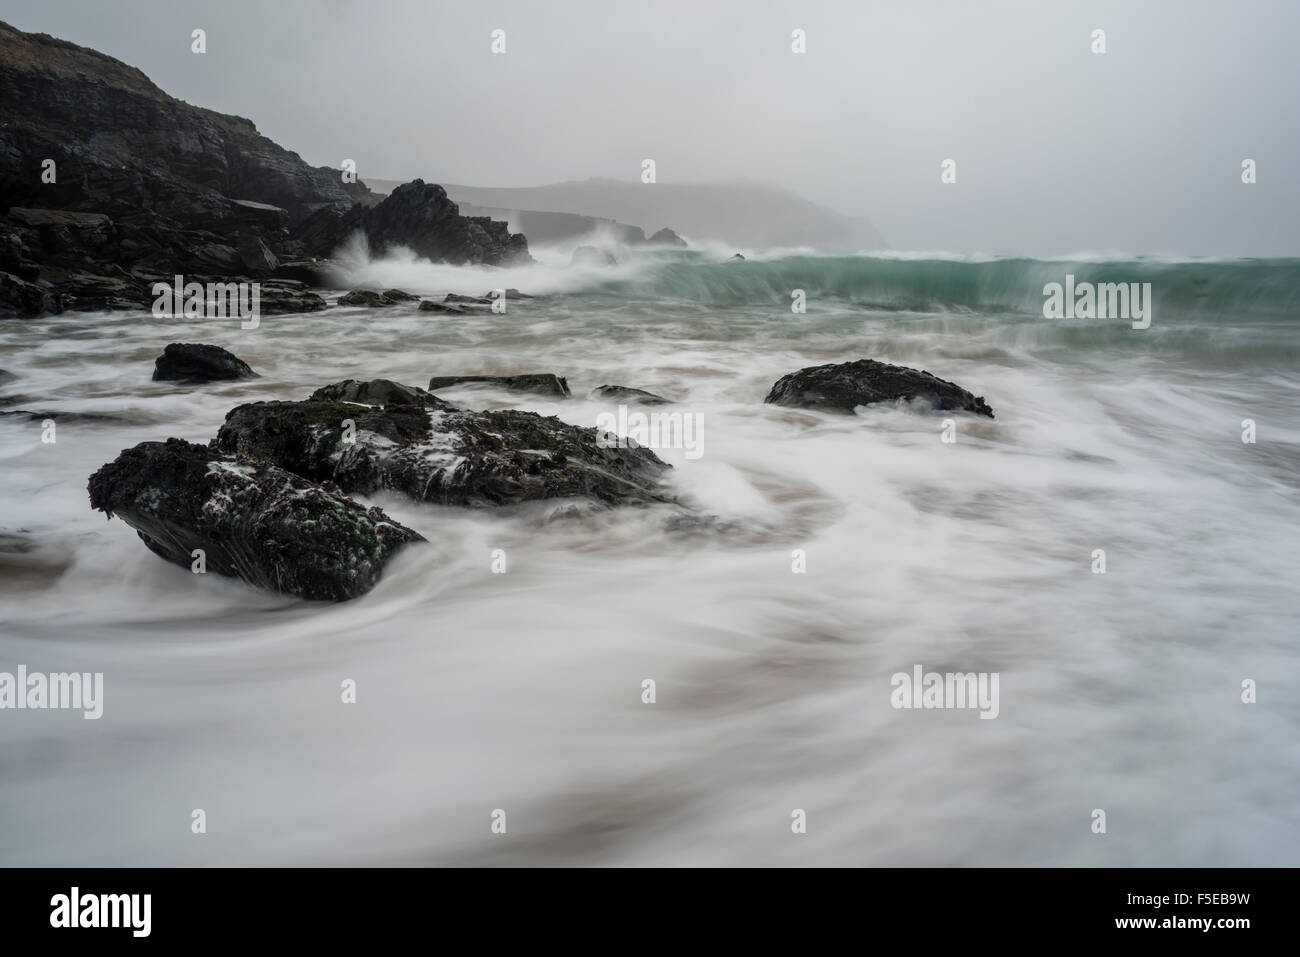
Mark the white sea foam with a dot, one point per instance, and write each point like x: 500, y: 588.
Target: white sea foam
x: 522, y: 690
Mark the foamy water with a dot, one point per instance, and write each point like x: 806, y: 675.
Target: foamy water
x: 522, y: 691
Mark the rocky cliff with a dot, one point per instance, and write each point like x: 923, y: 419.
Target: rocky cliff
x: 108, y: 184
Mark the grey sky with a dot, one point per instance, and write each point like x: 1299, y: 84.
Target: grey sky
x: 1058, y: 150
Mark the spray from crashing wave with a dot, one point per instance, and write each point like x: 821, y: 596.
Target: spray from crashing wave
x: 904, y: 282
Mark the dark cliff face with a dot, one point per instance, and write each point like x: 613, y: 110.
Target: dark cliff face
x: 177, y: 188
x: 123, y: 145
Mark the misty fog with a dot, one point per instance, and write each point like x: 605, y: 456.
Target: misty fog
x: 1058, y: 149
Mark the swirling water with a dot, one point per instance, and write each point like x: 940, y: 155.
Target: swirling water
x: 522, y: 691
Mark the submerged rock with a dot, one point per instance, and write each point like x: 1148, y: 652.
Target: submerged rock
x: 199, y: 362
x: 467, y: 300
x: 622, y: 393
x: 366, y: 297
x: 255, y: 522
x: 541, y: 383
x: 428, y: 305
x: 372, y: 299
x: 66, y: 418
x: 378, y: 392
x: 844, y: 386
x: 442, y: 455
x: 592, y: 256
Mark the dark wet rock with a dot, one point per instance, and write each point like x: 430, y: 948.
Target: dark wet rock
x: 467, y: 300
x: 572, y: 513
x: 445, y: 456
x: 198, y: 362
x: 844, y: 386
x: 592, y: 256
x: 259, y: 523
x: 378, y: 392
x: 38, y: 236
x: 281, y: 296
x: 736, y: 258
x: 622, y: 393
x: 366, y: 297
x: 397, y: 295
x: 541, y: 383
x: 37, y: 218
x: 428, y: 305
x: 273, y: 219
x: 90, y: 293
x: 22, y: 299
x: 324, y: 231
x: 255, y: 256
x: 666, y: 237
x: 214, y: 259
x: 689, y: 524
x: 17, y: 541
x: 312, y: 272
x: 419, y: 216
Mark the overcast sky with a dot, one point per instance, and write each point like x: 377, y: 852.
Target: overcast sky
x: 1058, y: 149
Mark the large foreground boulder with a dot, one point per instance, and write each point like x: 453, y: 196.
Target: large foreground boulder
x: 436, y: 453
x: 252, y: 521
x: 844, y: 386
x: 199, y: 362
